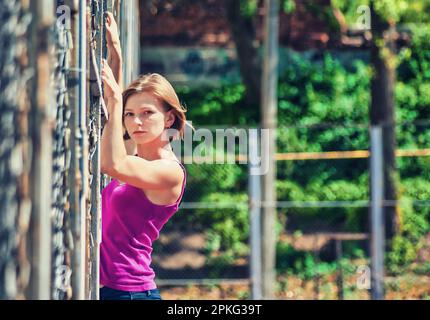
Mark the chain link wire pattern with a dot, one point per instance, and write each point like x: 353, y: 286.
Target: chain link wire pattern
x: 15, y: 203
x: 62, y: 238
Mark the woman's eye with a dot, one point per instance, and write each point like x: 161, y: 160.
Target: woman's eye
x: 145, y: 113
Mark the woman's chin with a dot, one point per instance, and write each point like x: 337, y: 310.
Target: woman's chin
x: 142, y: 139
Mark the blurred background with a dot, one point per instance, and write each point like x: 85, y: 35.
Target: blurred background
x: 344, y: 211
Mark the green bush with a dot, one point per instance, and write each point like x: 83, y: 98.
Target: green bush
x: 227, y: 229
x: 321, y: 99
x: 300, y: 263
x: 414, y: 224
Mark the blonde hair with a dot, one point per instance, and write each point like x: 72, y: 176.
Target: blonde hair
x: 161, y: 88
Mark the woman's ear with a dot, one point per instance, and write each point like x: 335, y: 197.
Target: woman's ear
x: 170, y: 119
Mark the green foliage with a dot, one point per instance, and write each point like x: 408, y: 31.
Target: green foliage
x: 422, y: 269
x: 300, y: 263
x: 402, y: 253
x: 341, y: 190
x: 395, y: 11
x: 218, y: 264
x: 316, y: 90
x: 248, y: 8
x: 413, y: 103
x: 286, y: 256
x: 288, y: 6
x: 390, y: 10
x: 414, y: 225
x: 349, y: 9
x: 214, y: 178
x: 228, y: 228
x: 291, y: 191
x: 321, y: 99
x: 417, y: 11
x: 414, y: 73
x: 224, y: 105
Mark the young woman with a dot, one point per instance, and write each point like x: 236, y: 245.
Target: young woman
x: 147, y: 186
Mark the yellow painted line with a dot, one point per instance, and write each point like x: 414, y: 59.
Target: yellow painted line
x: 413, y: 153
x: 292, y: 156
x: 322, y: 155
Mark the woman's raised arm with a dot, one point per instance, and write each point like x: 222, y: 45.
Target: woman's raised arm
x: 114, y: 48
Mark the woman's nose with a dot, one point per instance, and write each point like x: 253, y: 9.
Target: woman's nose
x: 138, y: 120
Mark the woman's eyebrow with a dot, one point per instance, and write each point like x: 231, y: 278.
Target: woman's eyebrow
x: 139, y: 108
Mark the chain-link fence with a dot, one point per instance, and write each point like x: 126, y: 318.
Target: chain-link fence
x: 49, y: 161
x: 14, y: 150
x: 50, y: 182
x: 326, y: 226
x: 62, y: 238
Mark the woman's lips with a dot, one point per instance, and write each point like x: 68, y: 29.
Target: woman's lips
x: 139, y: 132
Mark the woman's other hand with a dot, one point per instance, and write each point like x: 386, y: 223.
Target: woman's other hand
x: 114, y: 48
x: 112, y: 34
x: 112, y: 90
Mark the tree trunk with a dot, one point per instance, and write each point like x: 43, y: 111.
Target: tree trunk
x: 244, y: 34
x: 382, y: 110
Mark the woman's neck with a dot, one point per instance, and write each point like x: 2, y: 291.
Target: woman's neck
x: 154, y: 152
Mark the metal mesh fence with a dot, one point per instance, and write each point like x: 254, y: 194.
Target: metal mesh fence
x: 94, y: 126
x: 62, y: 238
x: 15, y: 203
x: 323, y: 230
x: 208, y: 240
x: 75, y: 185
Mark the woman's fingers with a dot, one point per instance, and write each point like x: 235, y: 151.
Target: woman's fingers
x: 111, y: 86
x: 111, y: 29
x: 109, y: 15
x: 108, y: 31
x: 106, y: 71
x: 109, y: 18
x: 106, y: 68
x: 109, y: 21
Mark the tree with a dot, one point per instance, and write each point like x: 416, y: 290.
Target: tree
x: 241, y: 17
x: 385, y: 17
x: 382, y: 109
x: 243, y: 32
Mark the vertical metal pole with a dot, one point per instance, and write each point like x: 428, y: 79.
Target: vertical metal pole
x: 77, y: 177
x: 316, y: 252
x: 129, y: 28
x: 254, y: 191
x: 84, y: 144
x: 135, y: 67
x: 96, y: 181
x: 124, y: 36
x: 42, y: 119
x: 269, y: 121
x: 377, y: 213
x: 339, y: 269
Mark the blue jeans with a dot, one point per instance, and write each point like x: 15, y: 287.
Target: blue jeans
x: 112, y: 294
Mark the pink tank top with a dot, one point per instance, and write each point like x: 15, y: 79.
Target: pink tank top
x: 130, y: 224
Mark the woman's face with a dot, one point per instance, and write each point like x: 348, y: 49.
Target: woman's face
x: 145, y: 118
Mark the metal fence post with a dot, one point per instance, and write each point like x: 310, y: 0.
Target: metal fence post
x: 77, y: 176
x: 254, y: 191
x: 15, y: 157
x: 269, y: 107
x: 42, y: 118
x: 97, y: 54
x: 129, y: 30
x: 377, y: 214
